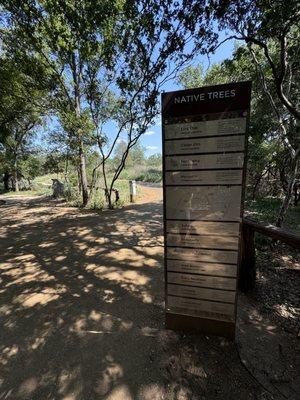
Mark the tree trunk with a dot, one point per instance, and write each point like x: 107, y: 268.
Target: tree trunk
x: 255, y: 186
x: 107, y: 189
x: 6, y: 181
x: 66, y: 168
x: 247, y: 268
x: 76, y: 71
x: 93, y: 182
x: 78, y: 181
x: 288, y: 195
x: 110, y: 202
x: 83, y: 178
x: 16, y: 182
x: 283, y: 179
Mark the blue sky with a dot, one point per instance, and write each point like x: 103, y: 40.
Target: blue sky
x: 151, y: 140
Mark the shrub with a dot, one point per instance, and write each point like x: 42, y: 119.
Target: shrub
x: 96, y: 203
x: 152, y: 175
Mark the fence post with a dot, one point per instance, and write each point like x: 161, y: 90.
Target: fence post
x: 247, y: 272
x: 132, y: 189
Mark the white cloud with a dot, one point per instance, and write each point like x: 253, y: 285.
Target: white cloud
x: 149, y: 133
x: 151, y: 147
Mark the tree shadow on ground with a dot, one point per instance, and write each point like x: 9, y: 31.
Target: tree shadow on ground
x: 82, y: 312
x: 269, y: 321
x: 70, y: 285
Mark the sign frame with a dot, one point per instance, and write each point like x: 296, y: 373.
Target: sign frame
x: 177, y: 321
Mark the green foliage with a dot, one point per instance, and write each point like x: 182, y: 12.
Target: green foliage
x: 191, y: 76
x: 267, y: 155
x: 24, y: 86
x: 54, y: 163
x: 266, y: 210
x: 272, y: 28
x: 150, y: 175
x: 108, y: 61
x: 78, y: 126
x: 74, y: 41
x: 31, y: 167
x: 154, y: 161
x: 136, y: 156
x: 96, y: 202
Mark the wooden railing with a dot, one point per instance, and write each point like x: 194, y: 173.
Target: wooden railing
x: 247, y: 271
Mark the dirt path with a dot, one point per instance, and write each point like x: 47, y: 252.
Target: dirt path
x: 150, y: 194
x: 82, y: 314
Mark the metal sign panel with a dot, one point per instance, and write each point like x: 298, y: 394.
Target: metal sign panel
x: 202, y: 268
x: 187, y: 178
x: 204, y: 161
x: 204, y: 147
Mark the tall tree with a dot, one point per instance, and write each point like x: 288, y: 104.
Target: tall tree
x: 24, y: 86
x: 91, y: 39
x: 66, y: 35
x: 154, y: 46
x: 269, y: 26
x: 270, y: 31
x: 269, y: 154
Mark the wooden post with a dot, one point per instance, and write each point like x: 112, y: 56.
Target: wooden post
x: 247, y: 273
x: 247, y: 269
x: 132, y: 189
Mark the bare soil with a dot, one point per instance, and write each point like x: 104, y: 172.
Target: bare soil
x: 82, y: 313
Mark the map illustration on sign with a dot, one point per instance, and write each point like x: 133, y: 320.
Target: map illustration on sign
x: 204, y: 202
x: 204, y: 147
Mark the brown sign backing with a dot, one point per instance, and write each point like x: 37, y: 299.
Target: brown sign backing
x: 204, y: 147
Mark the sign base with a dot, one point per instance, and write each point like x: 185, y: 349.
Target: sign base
x: 203, y: 325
